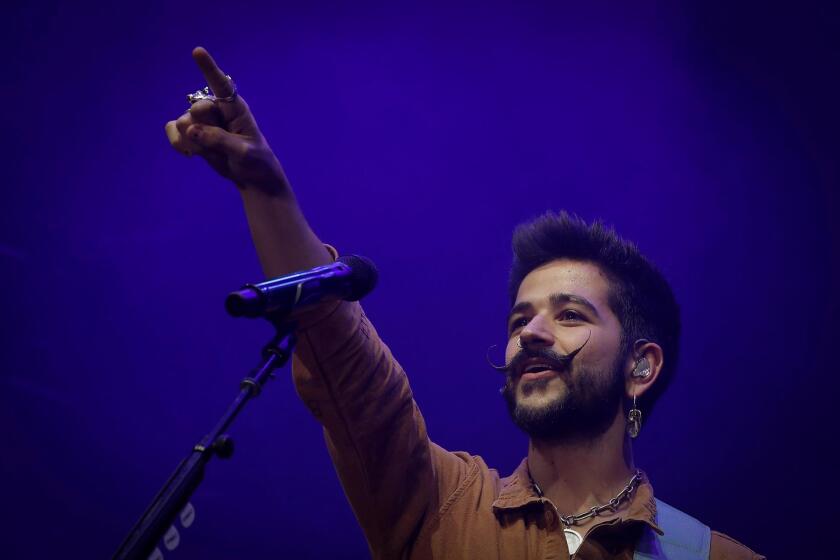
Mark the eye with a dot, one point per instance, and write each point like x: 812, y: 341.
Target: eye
x: 570, y: 315
x: 517, y: 324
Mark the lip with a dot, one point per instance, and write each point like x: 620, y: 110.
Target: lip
x: 538, y: 375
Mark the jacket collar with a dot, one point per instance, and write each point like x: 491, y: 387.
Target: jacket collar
x: 517, y: 491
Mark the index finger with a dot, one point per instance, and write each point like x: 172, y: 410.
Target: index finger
x: 219, y: 84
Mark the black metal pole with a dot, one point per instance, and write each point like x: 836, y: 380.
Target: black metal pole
x: 175, y: 494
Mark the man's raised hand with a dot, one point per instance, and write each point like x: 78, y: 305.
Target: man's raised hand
x: 226, y: 135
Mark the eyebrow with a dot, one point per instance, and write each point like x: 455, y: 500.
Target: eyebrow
x: 556, y: 300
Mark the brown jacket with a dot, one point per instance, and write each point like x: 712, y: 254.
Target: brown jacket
x: 414, y: 499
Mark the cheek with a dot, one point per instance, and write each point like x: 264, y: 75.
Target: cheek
x: 511, y: 349
x: 583, y: 338
x: 601, y: 351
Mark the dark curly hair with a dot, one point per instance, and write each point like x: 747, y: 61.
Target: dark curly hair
x: 639, y: 295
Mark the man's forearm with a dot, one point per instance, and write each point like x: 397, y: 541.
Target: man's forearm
x: 282, y: 237
x: 223, y: 131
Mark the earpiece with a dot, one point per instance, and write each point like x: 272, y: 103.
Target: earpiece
x: 641, y: 369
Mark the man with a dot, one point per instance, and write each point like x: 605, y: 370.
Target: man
x: 593, y: 340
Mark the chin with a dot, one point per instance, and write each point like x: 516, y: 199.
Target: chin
x: 541, y: 402
x: 541, y: 391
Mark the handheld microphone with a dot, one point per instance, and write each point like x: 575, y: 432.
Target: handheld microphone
x: 349, y: 278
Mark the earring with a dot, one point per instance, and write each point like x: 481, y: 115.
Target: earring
x: 634, y: 420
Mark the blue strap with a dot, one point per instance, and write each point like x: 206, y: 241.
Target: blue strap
x: 685, y: 538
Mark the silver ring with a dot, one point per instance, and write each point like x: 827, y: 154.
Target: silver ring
x: 205, y: 93
x: 519, y: 343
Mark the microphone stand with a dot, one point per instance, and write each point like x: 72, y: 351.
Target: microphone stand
x: 175, y: 494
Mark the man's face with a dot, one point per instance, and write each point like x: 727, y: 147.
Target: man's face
x: 561, y: 306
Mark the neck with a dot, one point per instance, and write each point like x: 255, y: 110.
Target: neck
x: 578, y: 475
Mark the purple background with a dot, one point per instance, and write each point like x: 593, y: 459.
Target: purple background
x: 418, y: 136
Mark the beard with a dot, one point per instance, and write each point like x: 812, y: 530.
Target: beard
x: 584, y: 413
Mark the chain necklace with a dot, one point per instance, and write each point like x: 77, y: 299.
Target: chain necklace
x: 573, y: 538
x: 595, y: 511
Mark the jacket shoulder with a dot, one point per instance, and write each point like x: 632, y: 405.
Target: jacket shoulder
x: 725, y: 547
x: 684, y: 534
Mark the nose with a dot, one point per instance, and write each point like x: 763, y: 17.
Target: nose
x: 537, y: 333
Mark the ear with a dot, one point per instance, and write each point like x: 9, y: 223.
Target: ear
x: 643, y: 350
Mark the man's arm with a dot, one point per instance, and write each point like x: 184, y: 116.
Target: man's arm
x: 373, y: 429
x: 226, y: 135
x: 391, y: 473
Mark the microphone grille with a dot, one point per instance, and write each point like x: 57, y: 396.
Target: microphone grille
x: 363, y: 276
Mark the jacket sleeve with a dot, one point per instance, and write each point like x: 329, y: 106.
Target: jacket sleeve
x: 393, y: 476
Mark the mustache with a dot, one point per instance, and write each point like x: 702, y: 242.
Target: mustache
x: 554, y: 359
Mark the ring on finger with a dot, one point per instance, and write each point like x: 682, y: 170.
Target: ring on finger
x: 205, y: 93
